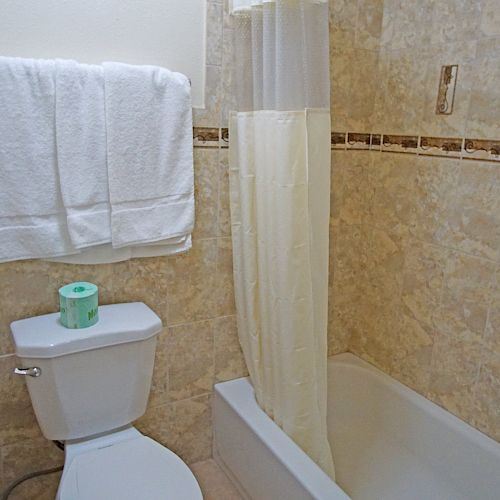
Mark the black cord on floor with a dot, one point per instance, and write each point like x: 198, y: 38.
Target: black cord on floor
x: 6, y: 493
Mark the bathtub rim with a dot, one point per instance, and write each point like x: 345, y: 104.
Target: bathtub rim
x: 239, y: 395
x: 427, y: 405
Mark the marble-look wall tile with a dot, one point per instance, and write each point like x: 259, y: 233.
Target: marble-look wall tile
x: 229, y: 361
x: 224, y: 213
x: 23, y: 293
x: 346, y: 286
x: 484, y: 105
x: 185, y: 427
x: 434, y: 193
x: 17, y: 419
x: 27, y: 456
x: 158, y: 423
x: 159, y: 385
x: 423, y: 277
x: 392, y: 180
x: 369, y: 24
x: 466, y: 296
x: 137, y: 280
x: 193, y: 428
x: 455, y: 20
x: 228, y: 92
x: 351, y: 193
x: 487, y: 415
x: 407, y: 24
x: 209, y: 116
x: 490, y: 18
x: 214, y: 33
x: 343, y: 14
x: 190, y: 360
x: 405, y: 90
x: 224, y: 296
x: 473, y: 216
x: 454, y: 372
x: 492, y: 333
x: 206, y: 187
x: 340, y: 84
x: 362, y: 92
x: 191, y: 281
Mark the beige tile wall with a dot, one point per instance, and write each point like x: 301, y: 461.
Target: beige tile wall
x: 415, y: 240
x: 192, y: 293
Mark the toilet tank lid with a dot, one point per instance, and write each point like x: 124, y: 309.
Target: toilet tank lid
x: 45, y: 336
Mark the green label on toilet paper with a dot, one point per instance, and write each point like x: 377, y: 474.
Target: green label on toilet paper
x: 79, y: 304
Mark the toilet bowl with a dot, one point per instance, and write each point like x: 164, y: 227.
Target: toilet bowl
x: 125, y: 466
x: 87, y: 386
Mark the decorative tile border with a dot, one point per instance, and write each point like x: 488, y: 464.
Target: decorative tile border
x: 206, y: 137
x: 441, y: 146
x: 451, y: 147
x: 481, y: 149
x: 224, y: 137
x: 338, y: 140
x: 400, y: 143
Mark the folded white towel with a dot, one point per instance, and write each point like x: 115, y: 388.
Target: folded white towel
x: 81, y: 152
x: 150, y: 153
x: 32, y: 216
x: 105, y: 254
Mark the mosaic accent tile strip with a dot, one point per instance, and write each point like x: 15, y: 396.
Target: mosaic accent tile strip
x: 452, y: 147
x: 224, y: 137
x: 206, y: 137
x: 400, y: 143
x: 441, y: 146
x: 358, y: 141
x: 338, y: 140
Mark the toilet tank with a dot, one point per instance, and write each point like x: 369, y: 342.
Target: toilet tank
x: 92, y: 380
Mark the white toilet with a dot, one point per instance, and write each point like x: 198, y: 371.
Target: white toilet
x: 87, y: 386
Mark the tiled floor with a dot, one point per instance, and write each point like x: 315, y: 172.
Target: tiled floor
x: 214, y: 484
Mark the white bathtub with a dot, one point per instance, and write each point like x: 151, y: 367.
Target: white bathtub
x: 389, y: 443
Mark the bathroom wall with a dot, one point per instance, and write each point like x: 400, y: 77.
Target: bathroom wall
x: 145, y: 32
x: 192, y: 293
x: 415, y: 251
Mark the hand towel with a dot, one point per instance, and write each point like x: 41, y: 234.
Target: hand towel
x: 32, y: 216
x: 149, y: 153
x: 81, y: 152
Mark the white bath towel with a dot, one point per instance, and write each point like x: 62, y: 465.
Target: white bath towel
x: 150, y: 153
x: 32, y: 216
x: 106, y: 254
x: 81, y: 152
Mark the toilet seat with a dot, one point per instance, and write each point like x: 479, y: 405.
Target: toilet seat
x: 137, y: 469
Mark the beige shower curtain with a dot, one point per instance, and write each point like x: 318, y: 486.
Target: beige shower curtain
x: 280, y: 199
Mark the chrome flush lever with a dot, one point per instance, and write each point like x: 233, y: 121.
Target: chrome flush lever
x: 30, y: 372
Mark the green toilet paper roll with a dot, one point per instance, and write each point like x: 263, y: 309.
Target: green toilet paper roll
x: 79, y: 304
